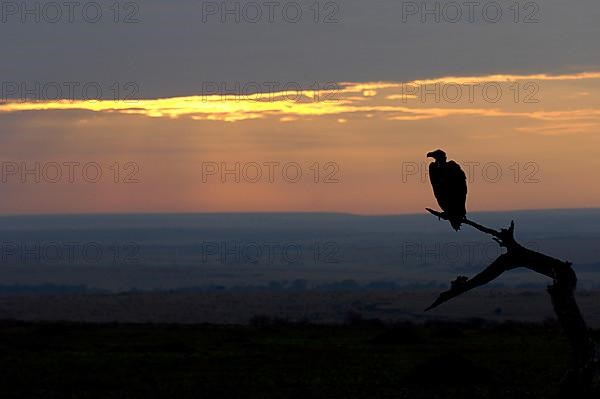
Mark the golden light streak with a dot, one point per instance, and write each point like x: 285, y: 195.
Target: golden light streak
x: 388, y: 100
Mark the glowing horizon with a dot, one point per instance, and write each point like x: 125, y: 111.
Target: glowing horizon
x: 541, y: 129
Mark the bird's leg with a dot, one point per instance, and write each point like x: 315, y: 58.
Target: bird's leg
x: 440, y: 215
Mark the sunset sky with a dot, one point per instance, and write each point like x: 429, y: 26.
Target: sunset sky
x: 518, y: 104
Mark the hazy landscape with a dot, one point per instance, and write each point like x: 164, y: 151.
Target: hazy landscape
x: 119, y: 253
x: 227, y: 268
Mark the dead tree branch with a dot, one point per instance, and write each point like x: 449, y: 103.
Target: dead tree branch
x: 582, y: 380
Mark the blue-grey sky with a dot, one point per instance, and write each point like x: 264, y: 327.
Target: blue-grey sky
x: 172, y: 51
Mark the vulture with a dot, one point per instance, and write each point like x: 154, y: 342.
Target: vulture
x: 449, y: 187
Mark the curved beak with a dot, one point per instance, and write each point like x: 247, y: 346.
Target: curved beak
x: 430, y: 155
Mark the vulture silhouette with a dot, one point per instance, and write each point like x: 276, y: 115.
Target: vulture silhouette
x: 449, y: 184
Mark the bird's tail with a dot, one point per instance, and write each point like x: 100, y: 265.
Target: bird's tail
x: 455, y: 223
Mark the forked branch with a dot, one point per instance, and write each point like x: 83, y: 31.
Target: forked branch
x: 582, y: 380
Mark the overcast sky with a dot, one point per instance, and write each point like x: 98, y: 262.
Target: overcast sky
x: 172, y: 51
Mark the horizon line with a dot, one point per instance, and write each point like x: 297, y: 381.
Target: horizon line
x: 168, y: 213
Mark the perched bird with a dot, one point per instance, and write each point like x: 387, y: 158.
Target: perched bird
x: 449, y: 184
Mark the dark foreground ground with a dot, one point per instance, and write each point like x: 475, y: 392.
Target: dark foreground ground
x: 273, y: 359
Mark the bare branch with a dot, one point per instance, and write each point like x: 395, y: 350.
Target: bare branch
x: 463, y: 284
x: 583, y: 378
x: 471, y: 223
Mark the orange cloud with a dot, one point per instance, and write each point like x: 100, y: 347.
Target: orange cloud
x: 348, y: 99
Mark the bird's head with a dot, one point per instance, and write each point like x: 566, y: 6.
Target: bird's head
x: 438, y: 155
